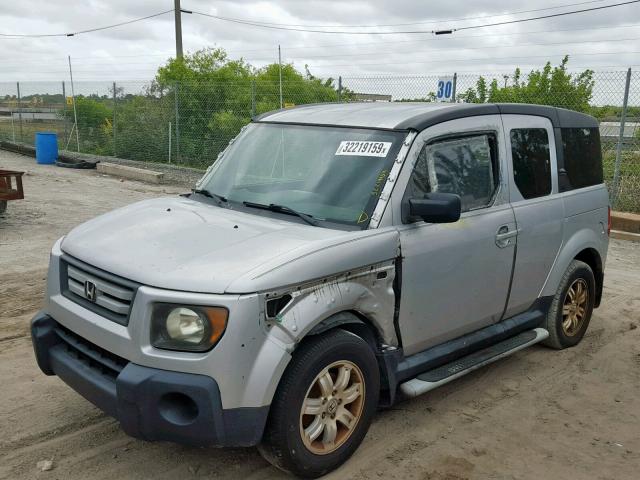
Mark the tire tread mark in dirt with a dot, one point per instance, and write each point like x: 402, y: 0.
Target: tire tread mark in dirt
x: 54, y: 433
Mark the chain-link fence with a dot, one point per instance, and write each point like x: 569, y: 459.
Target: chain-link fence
x: 189, y: 124
x: 614, y: 99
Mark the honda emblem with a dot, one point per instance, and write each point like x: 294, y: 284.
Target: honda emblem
x: 90, y: 291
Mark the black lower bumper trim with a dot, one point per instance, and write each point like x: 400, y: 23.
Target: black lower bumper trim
x: 149, y: 403
x: 95, y: 388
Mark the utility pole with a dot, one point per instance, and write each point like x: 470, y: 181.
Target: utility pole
x: 454, y: 87
x: 623, y: 120
x: 113, y: 124
x: 64, y: 109
x: 178, y: 18
x: 280, y: 73
x: 19, y: 110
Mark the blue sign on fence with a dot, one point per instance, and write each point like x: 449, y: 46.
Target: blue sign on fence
x: 444, y: 92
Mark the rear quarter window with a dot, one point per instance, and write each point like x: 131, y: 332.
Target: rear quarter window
x: 531, y: 161
x: 582, y: 157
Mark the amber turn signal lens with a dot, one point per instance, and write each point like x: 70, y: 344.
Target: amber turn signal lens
x: 217, y: 317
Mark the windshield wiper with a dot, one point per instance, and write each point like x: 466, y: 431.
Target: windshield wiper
x: 219, y: 198
x: 283, y: 209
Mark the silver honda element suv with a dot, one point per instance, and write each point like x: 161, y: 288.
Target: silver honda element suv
x: 334, y: 259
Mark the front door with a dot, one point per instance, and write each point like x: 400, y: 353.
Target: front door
x: 455, y: 277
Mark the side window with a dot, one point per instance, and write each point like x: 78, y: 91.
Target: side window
x: 466, y: 166
x: 582, y: 157
x: 531, y: 161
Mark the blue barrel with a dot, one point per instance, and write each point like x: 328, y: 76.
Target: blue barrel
x: 46, y: 147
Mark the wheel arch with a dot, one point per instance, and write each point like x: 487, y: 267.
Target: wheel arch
x: 387, y: 357
x: 585, y: 245
x: 351, y: 321
x: 591, y: 257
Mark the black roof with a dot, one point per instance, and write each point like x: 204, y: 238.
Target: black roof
x: 416, y: 116
x: 559, y: 117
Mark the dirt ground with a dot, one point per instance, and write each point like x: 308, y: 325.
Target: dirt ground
x: 539, y: 414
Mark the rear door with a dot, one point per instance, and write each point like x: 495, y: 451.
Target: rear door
x: 455, y: 277
x: 539, y: 211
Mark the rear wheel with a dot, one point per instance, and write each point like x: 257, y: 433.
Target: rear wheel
x: 323, y: 406
x: 572, y: 306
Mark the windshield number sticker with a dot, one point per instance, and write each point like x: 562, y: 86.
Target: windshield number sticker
x: 362, y: 148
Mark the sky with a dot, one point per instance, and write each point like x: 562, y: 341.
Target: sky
x: 604, y: 40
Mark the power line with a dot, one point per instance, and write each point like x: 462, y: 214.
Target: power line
x: 386, y: 42
x: 487, y: 47
x: 436, y: 32
x: 475, y: 59
x: 553, y: 15
x: 79, y: 32
x: 359, y: 54
x: 258, y: 22
x: 357, y: 45
x: 461, y: 37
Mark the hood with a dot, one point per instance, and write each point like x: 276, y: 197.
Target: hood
x: 182, y: 244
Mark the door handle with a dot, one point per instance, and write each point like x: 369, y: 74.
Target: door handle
x: 504, y: 236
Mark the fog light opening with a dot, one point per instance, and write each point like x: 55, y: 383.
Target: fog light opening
x: 178, y: 408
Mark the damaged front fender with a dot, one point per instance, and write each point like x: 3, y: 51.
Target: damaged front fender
x: 367, y: 292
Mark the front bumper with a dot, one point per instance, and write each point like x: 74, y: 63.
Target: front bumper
x: 149, y: 403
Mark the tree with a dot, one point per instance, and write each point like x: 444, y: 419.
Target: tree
x: 479, y: 94
x: 205, y: 96
x: 614, y: 112
x: 550, y: 86
x: 296, y: 88
x: 212, y: 96
x: 216, y: 97
x: 91, y: 113
x: 94, y: 124
x: 142, y: 127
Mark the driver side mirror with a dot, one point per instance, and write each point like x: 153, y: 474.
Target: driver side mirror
x: 436, y: 208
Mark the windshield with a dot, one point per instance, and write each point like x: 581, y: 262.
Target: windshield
x: 329, y: 173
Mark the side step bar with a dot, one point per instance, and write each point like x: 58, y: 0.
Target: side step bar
x: 446, y: 373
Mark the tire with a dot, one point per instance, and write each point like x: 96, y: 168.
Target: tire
x: 3, y: 206
x: 565, y: 324
x: 284, y: 443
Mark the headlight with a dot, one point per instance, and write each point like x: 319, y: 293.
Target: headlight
x: 187, y: 328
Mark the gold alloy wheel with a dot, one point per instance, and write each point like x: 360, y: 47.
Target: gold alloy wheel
x: 575, y: 307
x: 332, y: 407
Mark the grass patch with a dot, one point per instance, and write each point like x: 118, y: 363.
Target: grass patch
x: 629, y: 189
x: 29, y: 129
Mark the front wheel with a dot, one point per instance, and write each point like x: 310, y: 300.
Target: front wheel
x: 323, y: 406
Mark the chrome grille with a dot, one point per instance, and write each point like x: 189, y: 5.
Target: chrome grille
x: 99, y: 291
